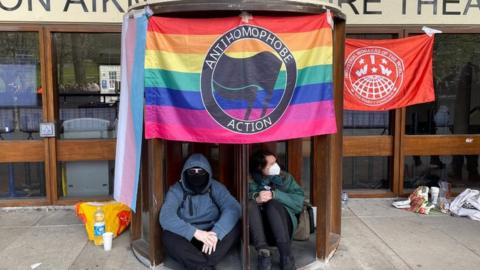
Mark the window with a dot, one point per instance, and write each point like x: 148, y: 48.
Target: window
x: 366, y: 173
x: 456, y: 71
x: 20, y: 86
x: 22, y: 180
x: 459, y: 170
x: 88, y: 84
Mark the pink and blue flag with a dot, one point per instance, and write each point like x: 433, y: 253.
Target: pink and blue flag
x: 130, y: 124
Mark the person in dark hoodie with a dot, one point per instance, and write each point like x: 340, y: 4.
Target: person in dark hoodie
x: 199, y: 217
x: 275, y: 201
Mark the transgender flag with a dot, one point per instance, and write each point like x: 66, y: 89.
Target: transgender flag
x: 130, y: 123
x: 238, y: 79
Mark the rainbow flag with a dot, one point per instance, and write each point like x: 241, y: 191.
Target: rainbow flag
x: 238, y: 79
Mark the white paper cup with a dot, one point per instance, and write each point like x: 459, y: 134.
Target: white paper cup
x: 434, y: 191
x: 107, y: 241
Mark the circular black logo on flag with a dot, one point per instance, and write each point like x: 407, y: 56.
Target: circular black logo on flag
x: 248, y: 79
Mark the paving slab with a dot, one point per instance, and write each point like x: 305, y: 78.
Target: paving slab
x: 424, y: 246
x: 59, y: 217
x: 55, y: 247
x: 20, y: 218
x: 9, y: 235
x: 376, y: 208
x: 120, y: 257
x: 360, y: 248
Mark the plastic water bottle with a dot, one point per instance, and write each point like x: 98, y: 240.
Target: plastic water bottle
x: 98, y: 226
x: 344, y: 200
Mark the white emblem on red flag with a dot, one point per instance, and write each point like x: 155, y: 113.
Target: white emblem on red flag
x: 374, y: 75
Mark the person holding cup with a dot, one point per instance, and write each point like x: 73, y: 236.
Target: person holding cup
x: 275, y: 200
x: 199, y: 217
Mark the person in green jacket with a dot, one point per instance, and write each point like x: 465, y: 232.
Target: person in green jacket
x: 275, y: 200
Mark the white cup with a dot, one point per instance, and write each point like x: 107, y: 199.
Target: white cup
x: 434, y: 191
x: 107, y: 241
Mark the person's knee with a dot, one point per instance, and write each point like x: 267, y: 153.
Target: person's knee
x: 272, y: 205
x: 252, y: 204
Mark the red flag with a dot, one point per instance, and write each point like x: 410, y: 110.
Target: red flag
x: 388, y: 74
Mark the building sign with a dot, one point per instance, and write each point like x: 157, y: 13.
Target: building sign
x: 410, y: 11
x: 82, y: 11
x: 357, y: 11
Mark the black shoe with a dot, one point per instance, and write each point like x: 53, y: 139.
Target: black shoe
x: 287, y: 263
x: 264, y: 259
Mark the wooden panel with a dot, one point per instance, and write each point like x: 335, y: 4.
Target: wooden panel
x: 156, y: 181
x: 320, y: 187
x: 82, y: 28
x: 442, y: 145
x: 22, y: 151
x: 19, y: 27
x: 75, y: 150
x: 50, y: 109
x: 365, y: 146
x: 336, y: 158
x: 295, y: 159
x: 174, y: 162
x: 396, y: 166
x: 240, y: 156
x: 370, y: 194
x: 24, y: 202
x: 74, y: 200
x: 399, y: 158
x: 226, y: 169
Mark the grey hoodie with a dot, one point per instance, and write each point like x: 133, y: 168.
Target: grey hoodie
x: 199, y: 211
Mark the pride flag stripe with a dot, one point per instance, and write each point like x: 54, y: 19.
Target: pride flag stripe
x: 193, y: 63
x: 215, y: 26
x: 180, y: 43
x: 191, y: 81
x: 193, y: 100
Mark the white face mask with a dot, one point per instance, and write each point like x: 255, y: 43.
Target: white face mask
x: 274, y: 169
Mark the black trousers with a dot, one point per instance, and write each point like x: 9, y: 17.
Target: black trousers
x: 189, y: 253
x: 270, y: 224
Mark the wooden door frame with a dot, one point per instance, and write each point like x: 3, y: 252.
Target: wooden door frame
x: 71, y: 150
x: 23, y: 150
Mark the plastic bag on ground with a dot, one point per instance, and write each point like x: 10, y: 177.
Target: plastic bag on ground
x: 117, y: 216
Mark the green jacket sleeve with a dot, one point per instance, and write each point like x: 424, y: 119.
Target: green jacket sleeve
x: 253, y: 190
x: 293, y: 195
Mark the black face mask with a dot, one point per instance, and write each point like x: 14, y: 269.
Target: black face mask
x: 196, y: 180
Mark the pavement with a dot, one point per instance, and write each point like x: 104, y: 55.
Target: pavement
x: 374, y: 236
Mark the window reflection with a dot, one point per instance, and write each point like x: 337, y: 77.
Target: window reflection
x: 88, y: 84
x: 456, y: 70
x: 460, y: 170
x: 86, y: 178
x: 21, y: 180
x: 366, y: 173
x: 20, y: 88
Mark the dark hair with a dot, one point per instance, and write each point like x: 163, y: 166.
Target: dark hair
x: 258, y: 161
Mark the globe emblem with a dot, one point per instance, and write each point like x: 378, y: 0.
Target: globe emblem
x: 374, y: 75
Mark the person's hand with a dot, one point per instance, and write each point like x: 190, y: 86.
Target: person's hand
x: 207, y: 238
x: 209, y: 249
x: 264, y: 196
